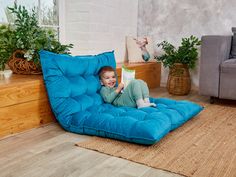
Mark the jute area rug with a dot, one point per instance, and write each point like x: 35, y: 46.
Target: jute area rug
x: 203, y: 146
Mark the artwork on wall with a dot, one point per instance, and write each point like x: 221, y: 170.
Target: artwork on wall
x: 140, y: 49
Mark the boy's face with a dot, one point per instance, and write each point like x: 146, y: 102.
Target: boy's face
x: 108, y: 79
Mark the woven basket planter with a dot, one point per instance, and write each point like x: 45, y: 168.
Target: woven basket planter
x: 179, y: 82
x: 20, y: 65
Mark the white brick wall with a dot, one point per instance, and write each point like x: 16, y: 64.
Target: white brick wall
x: 95, y: 26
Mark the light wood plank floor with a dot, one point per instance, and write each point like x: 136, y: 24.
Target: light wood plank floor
x: 49, y: 151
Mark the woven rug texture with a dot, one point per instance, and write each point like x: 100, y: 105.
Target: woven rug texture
x: 205, y: 146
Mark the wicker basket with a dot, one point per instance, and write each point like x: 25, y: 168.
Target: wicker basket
x: 20, y: 65
x: 179, y: 82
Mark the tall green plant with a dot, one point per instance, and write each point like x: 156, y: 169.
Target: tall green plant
x: 7, y: 44
x: 27, y: 35
x: 186, y: 53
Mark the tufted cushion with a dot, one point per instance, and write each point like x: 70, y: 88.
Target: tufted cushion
x: 72, y: 84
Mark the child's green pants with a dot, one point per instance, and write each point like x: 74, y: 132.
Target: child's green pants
x: 137, y: 89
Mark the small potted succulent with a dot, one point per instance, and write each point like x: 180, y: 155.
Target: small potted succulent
x: 179, y: 60
x: 21, y: 41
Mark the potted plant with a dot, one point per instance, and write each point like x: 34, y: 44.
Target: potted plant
x: 21, y: 41
x: 179, y: 60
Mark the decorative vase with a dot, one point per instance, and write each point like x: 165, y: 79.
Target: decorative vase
x: 20, y: 65
x: 179, y: 82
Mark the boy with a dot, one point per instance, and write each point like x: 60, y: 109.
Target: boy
x: 136, y: 94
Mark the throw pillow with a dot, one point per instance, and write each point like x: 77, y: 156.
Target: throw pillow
x: 233, y: 47
x: 140, y: 49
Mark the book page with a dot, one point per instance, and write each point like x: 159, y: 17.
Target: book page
x: 127, y: 75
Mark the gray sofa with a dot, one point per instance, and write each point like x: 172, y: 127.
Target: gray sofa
x: 218, y: 67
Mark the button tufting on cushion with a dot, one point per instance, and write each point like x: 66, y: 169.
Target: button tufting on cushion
x: 73, y: 88
x: 78, y: 85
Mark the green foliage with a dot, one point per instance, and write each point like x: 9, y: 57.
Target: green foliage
x: 7, y: 44
x: 27, y: 35
x: 187, y: 52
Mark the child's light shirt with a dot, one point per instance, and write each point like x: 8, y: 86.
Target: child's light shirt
x: 109, y: 95
x: 137, y: 89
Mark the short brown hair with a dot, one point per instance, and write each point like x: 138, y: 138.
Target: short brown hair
x: 105, y: 69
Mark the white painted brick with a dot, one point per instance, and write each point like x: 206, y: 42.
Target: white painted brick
x: 99, y: 27
x: 78, y: 17
x: 77, y: 36
x: 78, y: 26
x: 77, y: 6
x: 96, y: 26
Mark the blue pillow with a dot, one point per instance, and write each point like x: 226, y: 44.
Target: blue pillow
x: 73, y: 85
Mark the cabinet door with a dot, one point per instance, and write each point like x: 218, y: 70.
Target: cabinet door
x: 149, y: 72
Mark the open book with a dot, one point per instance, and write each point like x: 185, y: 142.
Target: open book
x: 127, y: 75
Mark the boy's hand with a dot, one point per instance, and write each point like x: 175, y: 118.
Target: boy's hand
x: 120, y: 87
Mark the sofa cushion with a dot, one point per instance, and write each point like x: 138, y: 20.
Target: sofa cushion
x: 228, y: 79
x: 73, y: 88
x: 228, y: 66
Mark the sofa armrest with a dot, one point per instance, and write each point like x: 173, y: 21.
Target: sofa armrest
x: 214, y: 50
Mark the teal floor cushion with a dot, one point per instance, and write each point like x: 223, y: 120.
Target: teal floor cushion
x: 73, y: 88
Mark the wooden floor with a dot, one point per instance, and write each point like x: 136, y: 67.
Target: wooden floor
x: 49, y: 151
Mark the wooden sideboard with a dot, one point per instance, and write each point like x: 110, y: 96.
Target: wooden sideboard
x: 24, y: 103
x: 150, y: 72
